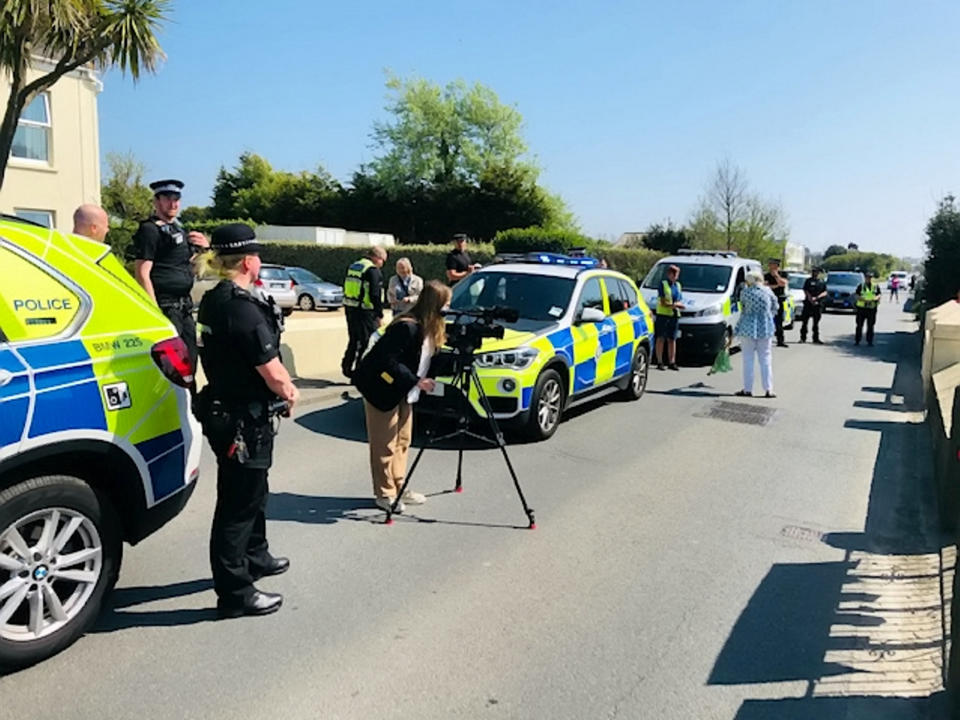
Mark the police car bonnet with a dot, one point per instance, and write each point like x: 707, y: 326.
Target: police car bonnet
x: 235, y: 239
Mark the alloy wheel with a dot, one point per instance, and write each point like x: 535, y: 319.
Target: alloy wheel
x: 548, y: 409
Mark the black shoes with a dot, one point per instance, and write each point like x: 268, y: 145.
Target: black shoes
x: 803, y: 340
x: 673, y: 366
x: 259, y: 603
x: 277, y: 566
x: 783, y: 344
x: 660, y: 366
x: 818, y: 342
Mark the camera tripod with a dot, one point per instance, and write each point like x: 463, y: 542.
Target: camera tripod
x: 464, y: 377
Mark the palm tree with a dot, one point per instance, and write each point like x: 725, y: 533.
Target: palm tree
x: 73, y: 34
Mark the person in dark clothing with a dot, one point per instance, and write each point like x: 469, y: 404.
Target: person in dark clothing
x: 163, y: 253
x: 814, y: 291
x: 362, y: 306
x: 776, y: 282
x: 239, y: 350
x: 868, y: 297
x: 459, y: 264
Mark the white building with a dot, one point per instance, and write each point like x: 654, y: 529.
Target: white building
x: 794, y: 256
x: 321, y: 236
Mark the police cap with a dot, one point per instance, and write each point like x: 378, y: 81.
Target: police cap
x: 167, y: 187
x: 235, y: 239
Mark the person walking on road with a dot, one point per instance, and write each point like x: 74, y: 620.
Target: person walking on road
x: 868, y: 297
x: 390, y: 378
x: 362, y: 305
x: 756, y: 328
x: 778, y: 284
x: 894, y: 289
x: 404, y: 288
x: 814, y: 291
x: 667, y: 320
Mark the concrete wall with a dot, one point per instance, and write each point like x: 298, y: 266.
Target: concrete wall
x: 322, y: 236
x: 72, y: 176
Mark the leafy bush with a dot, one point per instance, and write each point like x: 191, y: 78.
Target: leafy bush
x: 534, y: 239
x: 880, y: 264
x: 635, y: 263
x: 941, y: 270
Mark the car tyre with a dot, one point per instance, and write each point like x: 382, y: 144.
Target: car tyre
x: 639, y: 372
x: 60, y: 519
x: 305, y: 302
x: 546, y: 406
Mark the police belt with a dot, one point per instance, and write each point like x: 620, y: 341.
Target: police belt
x: 171, y: 302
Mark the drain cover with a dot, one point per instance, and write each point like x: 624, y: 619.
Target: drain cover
x: 738, y: 412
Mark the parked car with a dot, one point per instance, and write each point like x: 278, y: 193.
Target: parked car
x: 795, y: 283
x: 97, y: 442
x: 841, y: 289
x: 313, y: 292
x: 276, y: 282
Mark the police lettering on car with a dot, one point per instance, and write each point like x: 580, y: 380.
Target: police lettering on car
x: 240, y: 355
x: 163, y: 253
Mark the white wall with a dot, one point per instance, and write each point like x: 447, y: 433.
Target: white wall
x: 321, y: 236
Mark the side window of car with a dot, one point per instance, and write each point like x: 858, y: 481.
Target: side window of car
x: 591, y: 296
x: 738, y: 285
x: 618, y: 302
x: 628, y: 293
x: 34, y: 305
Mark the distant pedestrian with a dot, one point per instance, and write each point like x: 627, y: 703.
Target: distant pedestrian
x: 91, y: 221
x: 868, y: 297
x: 756, y: 328
x: 404, y: 287
x: 894, y: 289
x: 362, y: 305
x: 814, y: 292
x: 778, y: 285
x: 666, y: 324
x: 913, y: 282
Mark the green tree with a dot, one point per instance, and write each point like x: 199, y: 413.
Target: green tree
x: 124, y: 194
x: 759, y: 232
x: 941, y: 271
x: 74, y: 33
x: 666, y: 238
x: 834, y: 250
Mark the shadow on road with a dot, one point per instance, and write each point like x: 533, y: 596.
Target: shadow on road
x: 314, y: 509
x: 866, y: 629
x: 115, y: 615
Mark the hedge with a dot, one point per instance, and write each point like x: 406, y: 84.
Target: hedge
x: 330, y: 262
x: 533, y: 239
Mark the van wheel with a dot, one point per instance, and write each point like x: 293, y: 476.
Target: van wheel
x: 546, y: 406
x: 639, y: 371
x: 60, y: 554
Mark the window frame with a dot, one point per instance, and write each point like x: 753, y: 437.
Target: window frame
x: 51, y: 214
x: 47, y: 126
x: 579, y: 307
x: 632, y: 296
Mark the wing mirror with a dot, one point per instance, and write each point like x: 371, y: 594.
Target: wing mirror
x: 592, y: 315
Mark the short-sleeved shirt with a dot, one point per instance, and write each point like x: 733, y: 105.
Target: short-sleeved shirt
x: 238, y: 332
x: 813, y: 287
x: 165, y: 244
x: 458, y: 260
x: 676, y: 295
x: 780, y: 292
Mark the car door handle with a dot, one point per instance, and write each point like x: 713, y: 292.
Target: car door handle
x: 5, y: 377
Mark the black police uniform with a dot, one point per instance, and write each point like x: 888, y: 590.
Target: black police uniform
x: 781, y: 293
x: 166, y: 245
x: 812, y: 288
x: 239, y: 331
x: 458, y: 260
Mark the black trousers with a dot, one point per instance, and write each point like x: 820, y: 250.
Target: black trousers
x: 868, y: 315
x: 811, y: 311
x: 180, y: 313
x: 778, y: 320
x: 360, y: 326
x: 238, y: 538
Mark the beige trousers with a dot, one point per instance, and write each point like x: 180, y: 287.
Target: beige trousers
x: 389, y: 437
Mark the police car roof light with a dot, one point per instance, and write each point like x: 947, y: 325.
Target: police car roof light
x: 715, y: 253
x: 549, y: 258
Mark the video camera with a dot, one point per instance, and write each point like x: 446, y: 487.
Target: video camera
x: 466, y: 329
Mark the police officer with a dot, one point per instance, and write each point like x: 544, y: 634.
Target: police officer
x: 868, y: 296
x: 239, y: 351
x: 362, y: 305
x: 459, y: 264
x: 778, y: 283
x: 163, y: 251
x: 814, y: 293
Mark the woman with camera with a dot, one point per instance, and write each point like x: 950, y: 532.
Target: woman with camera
x: 390, y: 378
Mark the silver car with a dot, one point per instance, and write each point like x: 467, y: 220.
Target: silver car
x: 312, y: 292
x: 275, y: 281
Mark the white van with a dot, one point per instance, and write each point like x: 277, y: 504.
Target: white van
x: 710, y: 281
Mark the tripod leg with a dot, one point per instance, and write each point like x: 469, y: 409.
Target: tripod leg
x: 403, y: 488
x: 459, y: 486
x: 495, y: 428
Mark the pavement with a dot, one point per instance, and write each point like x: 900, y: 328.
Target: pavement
x: 766, y: 559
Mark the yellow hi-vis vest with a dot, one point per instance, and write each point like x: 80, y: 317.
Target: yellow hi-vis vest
x: 356, y: 292
x: 666, y: 296
x: 869, y: 295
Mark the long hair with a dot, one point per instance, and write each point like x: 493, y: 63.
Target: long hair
x: 427, y: 312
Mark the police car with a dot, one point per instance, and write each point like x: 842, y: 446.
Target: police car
x: 97, y: 442
x: 581, y: 332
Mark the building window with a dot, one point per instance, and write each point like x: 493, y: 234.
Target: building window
x: 32, y: 138
x: 41, y: 217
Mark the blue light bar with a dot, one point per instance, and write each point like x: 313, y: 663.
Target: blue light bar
x: 558, y: 259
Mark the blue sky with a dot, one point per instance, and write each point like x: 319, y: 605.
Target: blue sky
x: 845, y: 112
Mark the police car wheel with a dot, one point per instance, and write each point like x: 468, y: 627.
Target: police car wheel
x: 546, y: 408
x: 59, y: 555
x: 306, y: 303
x: 637, y: 380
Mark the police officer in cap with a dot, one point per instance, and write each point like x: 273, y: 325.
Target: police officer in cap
x: 239, y: 351
x: 163, y: 252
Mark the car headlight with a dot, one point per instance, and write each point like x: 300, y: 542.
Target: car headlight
x: 518, y: 359
x: 712, y: 310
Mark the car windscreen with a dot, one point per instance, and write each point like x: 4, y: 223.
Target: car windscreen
x: 303, y: 276
x: 541, y: 298
x: 797, y: 281
x: 844, y: 278
x: 272, y: 273
x: 694, y: 277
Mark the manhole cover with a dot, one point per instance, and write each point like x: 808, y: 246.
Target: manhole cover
x: 738, y: 412
x: 798, y: 532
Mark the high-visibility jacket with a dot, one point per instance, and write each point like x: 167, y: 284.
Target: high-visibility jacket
x: 356, y: 291
x: 868, y: 295
x: 665, y: 297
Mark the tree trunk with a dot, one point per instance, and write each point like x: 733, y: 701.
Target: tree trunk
x: 8, y: 127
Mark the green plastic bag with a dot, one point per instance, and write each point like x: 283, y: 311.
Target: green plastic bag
x: 722, y: 363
